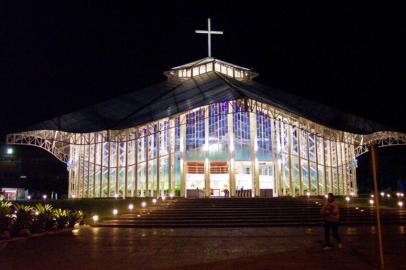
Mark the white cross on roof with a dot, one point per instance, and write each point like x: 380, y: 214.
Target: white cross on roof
x: 209, y: 32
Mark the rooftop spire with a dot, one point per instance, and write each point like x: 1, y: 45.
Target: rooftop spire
x: 209, y: 32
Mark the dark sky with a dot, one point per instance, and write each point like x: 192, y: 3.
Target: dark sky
x: 58, y: 56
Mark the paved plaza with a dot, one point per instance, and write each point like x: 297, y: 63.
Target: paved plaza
x: 214, y: 248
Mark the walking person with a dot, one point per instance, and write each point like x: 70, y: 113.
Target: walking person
x: 331, y: 214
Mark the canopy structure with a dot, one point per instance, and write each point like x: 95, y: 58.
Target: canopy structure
x: 205, y: 127
x: 188, y: 87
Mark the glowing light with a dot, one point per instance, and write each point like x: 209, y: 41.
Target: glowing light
x: 116, y: 195
x: 397, y: 194
x: 73, y: 196
x: 356, y: 208
x: 383, y: 194
x: 352, y: 194
x: 9, y: 151
x: 115, y: 211
x: 401, y: 195
x: 308, y: 194
x: 206, y: 147
x: 138, y: 215
x: 36, y: 213
x: 400, y: 204
x: 372, y: 195
x: 130, y: 206
x: 347, y: 199
x: 29, y: 197
x: 44, y: 196
x: 362, y: 210
x: 154, y: 201
x: 231, y: 146
x: 144, y: 204
x: 171, y: 195
x: 326, y: 196
x: 164, y: 198
x: 388, y: 195
x: 95, y: 218
x: 371, y: 202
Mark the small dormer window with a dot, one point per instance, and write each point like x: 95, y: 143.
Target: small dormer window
x: 205, y: 65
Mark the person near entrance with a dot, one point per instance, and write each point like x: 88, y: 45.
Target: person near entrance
x: 331, y: 214
x: 242, y: 191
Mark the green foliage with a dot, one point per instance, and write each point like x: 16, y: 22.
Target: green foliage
x: 6, y: 217
x: 75, y: 216
x: 45, y: 217
x: 61, y: 217
x: 23, y: 218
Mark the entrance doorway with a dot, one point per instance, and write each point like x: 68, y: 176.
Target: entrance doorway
x: 266, y: 179
x: 243, y: 179
x: 219, y: 179
x: 195, y: 179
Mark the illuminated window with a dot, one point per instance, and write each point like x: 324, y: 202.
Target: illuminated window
x: 230, y: 71
x: 223, y: 69
x: 209, y: 67
x: 196, y: 71
x: 202, y: 69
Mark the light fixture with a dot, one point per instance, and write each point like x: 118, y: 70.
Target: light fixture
x: 115, y: 211
x: 73, y: 196
x: 388, y: 195
x: 347, y: 199
x: 164, y: 198
x: 383, y: 194
x: 356, y: 208
x: 372, y: 195
x: 371, y: 202
x: 154, y: 201
x: 116, y: 195
x: 130, y: 206
x: 326, y: 196
x: 400, y: 203
x: 44, y: 196
x: 36, y: 213
x: 308, y: 194
x: 171, y: 195
x: 9, y: 151
x: 29, y: 197
x: 144, y: 204
x: 95, y: 218
x: 352, y: 194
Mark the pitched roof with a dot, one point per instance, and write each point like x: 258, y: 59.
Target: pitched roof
x: 177, y: 95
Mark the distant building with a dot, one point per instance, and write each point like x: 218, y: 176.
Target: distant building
x: 32, y: 172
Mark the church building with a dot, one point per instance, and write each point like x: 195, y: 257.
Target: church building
x: 208, y: 130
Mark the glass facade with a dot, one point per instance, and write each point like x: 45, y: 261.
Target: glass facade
x: 231, y: 145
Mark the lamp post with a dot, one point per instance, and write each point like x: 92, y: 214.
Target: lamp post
x: 373, y: 149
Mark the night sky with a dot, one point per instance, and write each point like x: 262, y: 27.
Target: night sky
x: 56, y: 56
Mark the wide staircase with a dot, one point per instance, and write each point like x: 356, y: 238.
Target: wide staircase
x: 244, y: 212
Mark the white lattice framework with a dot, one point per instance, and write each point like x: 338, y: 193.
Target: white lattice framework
x: 381, y: 139
x: 108, y: 162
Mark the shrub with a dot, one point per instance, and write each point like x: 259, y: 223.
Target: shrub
x: 62, y: 217
x: 45, y: 216
x: 75, y: 216
x: 6, y: 217
x: 23, y: 219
